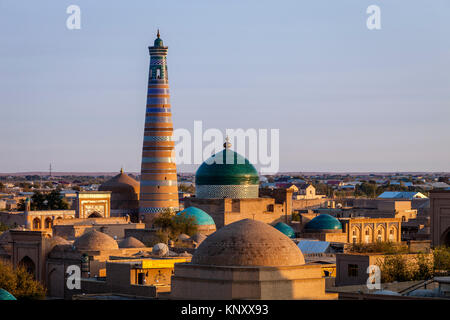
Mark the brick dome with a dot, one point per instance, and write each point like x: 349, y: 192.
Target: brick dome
x: 121, y: 183
x: 248, y: 243
x: 131, y: 242
x: 95, y: 241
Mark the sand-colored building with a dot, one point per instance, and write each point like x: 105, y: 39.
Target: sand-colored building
x: 325, y: 227
x: 248, y: 259
x: 85, y: 204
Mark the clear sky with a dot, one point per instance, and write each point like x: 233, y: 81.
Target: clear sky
x: 345, y: 98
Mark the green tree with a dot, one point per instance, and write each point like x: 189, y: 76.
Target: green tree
x: 20, y: 283
x: 50, y: 201
x: 174, y: 225
x: 367, y: 189
x: 424, y: 270
x: 184, y: 224
x: 441, y: 259
x: 395, y: 268
x: 38, y: 201
x: 186, y: 188
x: 4, y: 227
x: 26, y: 186
x: 55, y: 201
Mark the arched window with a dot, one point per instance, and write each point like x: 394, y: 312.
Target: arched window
x: 48, y: 223
x: 367, y: 235
x: 158, y: 73
x: 392, y: 234
x: 28, y: 265
x: 380, y: 235
x: 36, y: 224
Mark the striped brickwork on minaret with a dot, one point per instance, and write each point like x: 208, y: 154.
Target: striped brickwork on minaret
x: 159, y: 190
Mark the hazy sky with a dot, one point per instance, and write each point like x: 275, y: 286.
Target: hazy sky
x: 345, y: 98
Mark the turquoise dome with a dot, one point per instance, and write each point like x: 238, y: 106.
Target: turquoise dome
x: 324, y: 222
x: 201, y: 217
x: 284, y: 228
x: 226, y: 168
x: 5, y: 295
x: 158, y: 42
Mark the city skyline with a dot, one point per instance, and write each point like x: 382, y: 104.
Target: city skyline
x: 345, y: 99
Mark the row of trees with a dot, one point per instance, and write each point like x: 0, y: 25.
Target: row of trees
x: 398, y: 266
x: 45, y: 201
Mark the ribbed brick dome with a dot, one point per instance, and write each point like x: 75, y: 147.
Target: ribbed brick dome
x: 248, y: 243
x: 121, y: 183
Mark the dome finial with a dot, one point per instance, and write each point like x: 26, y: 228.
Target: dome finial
x: 157, y: 34
x: 227, y: 144
x: 121, y: 169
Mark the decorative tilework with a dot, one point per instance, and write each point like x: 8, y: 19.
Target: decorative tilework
x: 226, y: 191
x: 159, y: 144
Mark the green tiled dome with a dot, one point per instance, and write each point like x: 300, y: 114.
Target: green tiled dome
x: 284, y: 228
x: 226, y: 168
x: 324, y: 222
x: 200, y: 216
x: 5, y: 295
x: 158, y: 42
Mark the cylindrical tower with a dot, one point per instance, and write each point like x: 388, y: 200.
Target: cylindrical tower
x: 159, y: 190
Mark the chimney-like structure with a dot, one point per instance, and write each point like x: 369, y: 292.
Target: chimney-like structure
x: 159, y: 190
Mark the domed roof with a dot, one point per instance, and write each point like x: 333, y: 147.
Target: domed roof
x: 5, y: 295
x: 57, y: 240
x: 200, y: 216
x: 121, y: 183
x: 160, y: 249
x: 131, y: 242
x: 324, y: 222
x: 183, y: 237
x: 226, y: 168
x: 95, y: 241
x: 284, y: 228
x: 158, y: 41
x: 248, y: 243
x: 198, y: 238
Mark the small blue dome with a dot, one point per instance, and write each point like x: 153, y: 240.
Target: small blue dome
x: 5, y: 295
x: 324, y: 222
x: 201, y: 217
x: 284, y: 228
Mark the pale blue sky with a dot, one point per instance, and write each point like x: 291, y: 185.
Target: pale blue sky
x: 344, y: 98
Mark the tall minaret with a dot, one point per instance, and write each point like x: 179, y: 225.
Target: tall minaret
x: 159, y: 190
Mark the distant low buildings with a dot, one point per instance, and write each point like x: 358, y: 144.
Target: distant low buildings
x: 409, y: 195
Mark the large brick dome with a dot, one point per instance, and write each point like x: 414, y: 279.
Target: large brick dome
x: 95, y: 241
x: 248, y: 243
